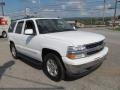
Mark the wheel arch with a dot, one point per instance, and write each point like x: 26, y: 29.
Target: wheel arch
x: 11, y: 42
x: 4, y: 31
x: 45, y: 51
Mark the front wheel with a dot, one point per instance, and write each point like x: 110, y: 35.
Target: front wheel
x: 53, y: 67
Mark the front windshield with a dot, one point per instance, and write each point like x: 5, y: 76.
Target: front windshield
x: 53, y: 25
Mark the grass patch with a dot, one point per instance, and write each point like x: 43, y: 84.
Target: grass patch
x: 117, y: 29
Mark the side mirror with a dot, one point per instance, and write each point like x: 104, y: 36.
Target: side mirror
x: 74, y: 27
x: 29, y: 32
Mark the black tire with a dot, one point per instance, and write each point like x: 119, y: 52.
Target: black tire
x: 13, y: 51
x: 4, y: 34
x: 60, y: 69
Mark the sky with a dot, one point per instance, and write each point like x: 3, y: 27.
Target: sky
x: 60, y: 8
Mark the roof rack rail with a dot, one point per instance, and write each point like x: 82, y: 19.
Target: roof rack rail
x: 26, y: 17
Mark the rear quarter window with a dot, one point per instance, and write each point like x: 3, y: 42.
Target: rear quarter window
x: 19, y: 27
x: 12, y: 26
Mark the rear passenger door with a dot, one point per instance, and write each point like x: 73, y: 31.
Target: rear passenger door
x: 18, y: 39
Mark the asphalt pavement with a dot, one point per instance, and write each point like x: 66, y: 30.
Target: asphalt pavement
x: 22, y: 74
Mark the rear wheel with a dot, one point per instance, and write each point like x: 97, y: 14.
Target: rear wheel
x: 53, y: 68
x: 13, y: 51
x: 4, y: 34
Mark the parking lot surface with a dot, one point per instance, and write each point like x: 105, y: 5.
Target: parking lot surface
x: 20, y: 74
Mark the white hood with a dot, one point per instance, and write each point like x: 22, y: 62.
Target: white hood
x: 77, y: 37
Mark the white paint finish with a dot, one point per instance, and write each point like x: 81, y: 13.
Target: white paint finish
x: 77, y: 37
x: 32, y: 45
x: 87, y: 59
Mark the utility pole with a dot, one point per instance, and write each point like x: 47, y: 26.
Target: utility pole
x: 2, y: 9
x: 104, y: 11
x: 27, y: 12
x: 2, y: 4
x: 114, y: 18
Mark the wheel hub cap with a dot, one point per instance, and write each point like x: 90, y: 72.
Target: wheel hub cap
x: 13, y: 51
x: 52, y: 68
x: 4, y: 35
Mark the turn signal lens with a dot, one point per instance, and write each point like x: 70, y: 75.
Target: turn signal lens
x: 71, y: 56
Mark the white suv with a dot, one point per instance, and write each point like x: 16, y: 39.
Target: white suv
x: 62, y: 49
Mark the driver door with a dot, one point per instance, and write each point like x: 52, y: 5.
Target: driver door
x: 30, y: 41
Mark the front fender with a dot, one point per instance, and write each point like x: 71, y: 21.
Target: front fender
x: 57, y: 45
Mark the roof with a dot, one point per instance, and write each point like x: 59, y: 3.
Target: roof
x: 35, y: 19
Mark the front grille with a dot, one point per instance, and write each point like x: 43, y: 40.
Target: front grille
x: 94, y: 52
x: 95, y: 47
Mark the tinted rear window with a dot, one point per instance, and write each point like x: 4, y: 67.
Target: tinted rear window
x: 11, y: 28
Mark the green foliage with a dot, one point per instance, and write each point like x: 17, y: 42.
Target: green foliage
x: 117, y: 29
x: 90, y: 20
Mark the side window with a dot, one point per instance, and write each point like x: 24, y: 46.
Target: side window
x: 11, y: 28
x: 30, y: 25
x: 19, y: 27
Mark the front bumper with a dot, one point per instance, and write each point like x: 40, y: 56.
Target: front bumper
x: 82, y: 65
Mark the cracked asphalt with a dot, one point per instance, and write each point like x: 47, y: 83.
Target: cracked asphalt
x: 21, y: 74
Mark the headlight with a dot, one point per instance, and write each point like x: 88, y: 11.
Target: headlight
x: 76, y: 52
